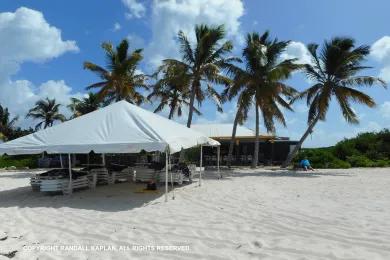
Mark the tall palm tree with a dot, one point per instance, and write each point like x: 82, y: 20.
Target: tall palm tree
x: 335, y: 71
x: 46, y: 110
x: 203, y: 63
x: 121, y: 80
x: 261, y: 83
x: 172, y: 90
x: 85, y: 105
x: 7, y: 125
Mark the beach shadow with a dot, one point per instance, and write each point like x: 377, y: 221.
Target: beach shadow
x: 226, y: 175
x: 108, y: 198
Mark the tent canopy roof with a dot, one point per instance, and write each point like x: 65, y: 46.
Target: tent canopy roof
x: 224, y: 130
x: 118, y: 128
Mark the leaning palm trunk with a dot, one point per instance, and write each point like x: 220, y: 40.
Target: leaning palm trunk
x: 257, y: 141
x: 292, y: 154
x: 233, y: 140
x: 192, y: 100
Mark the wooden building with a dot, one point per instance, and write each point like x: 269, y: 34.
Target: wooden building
x: 273, y: 149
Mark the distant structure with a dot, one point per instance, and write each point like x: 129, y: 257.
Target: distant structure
x: 273, y: 149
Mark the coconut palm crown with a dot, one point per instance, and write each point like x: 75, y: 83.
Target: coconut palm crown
x: 47, y: 111
x: 203, y: 62
x: 172, y: 90
x: 85, y: 105
x: 121, y: 79
x: 336, y: 73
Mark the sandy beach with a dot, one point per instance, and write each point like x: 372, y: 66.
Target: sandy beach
x: 262, y: 214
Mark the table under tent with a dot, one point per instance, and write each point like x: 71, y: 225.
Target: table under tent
x: 120, y: 128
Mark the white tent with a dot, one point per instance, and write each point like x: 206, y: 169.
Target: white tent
x: 118, y: 128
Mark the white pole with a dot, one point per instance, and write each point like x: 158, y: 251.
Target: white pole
x: 166, y: 175
x: 218, y: 156
x: 70, y: 173
x: 170, y: 170
x: 104, y: 159
x: 201, y: 163
x: 62, y: 164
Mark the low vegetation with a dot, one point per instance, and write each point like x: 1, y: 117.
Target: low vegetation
x: 370, y: 149
x: 19, y: 161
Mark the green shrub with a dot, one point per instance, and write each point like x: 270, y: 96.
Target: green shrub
x: 381, y: 163
x: 339, y: 164
x: 360, y: 161
x: 30, y: 161
x: 365, y: 150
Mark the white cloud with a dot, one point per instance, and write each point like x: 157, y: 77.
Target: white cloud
x: 170, y: 16
x: 385, y: 73
x: 19, y: 96
x: 116, y: 27
x: 135, y: 9
x: 297, y: 50
x: 385, y: 109
x: 26, y: 36
x: 380, y: 51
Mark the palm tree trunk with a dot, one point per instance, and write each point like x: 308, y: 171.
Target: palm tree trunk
x: 192, y: 100
x: 292, y: 154
x: 233, y: 140
x: 257, y: 141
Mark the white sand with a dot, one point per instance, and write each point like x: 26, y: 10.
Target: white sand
x: 329, y: 214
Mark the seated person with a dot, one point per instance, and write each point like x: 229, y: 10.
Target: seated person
x: 305, y: 164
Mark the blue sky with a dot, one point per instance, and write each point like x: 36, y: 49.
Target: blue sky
x: 46, y: 42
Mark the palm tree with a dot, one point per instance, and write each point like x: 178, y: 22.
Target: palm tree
x: 46, y: 110
x: 260, y: 83
x: 203, y: 64
x: 84, y: 106
x: 172, y: 90
x: 335, y: 71
x: 121, y: 80
x: 7, y: 125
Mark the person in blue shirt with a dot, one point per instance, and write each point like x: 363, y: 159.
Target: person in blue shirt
x: 305, y: 164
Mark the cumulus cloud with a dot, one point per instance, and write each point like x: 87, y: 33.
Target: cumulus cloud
x: 380, y: 51
x: 170, y: 16
x: 135, y: 9
x: 297, y: 50
x: 26, y: 36
x: 20, y: 95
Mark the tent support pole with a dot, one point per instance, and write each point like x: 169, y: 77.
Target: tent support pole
x: 218, y: 156
x: 170, y: 171
x: 166, y: 174
x: 70, y: 173
x: 62, y: 164
x: 201, y: 163
x: 104, y: 159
